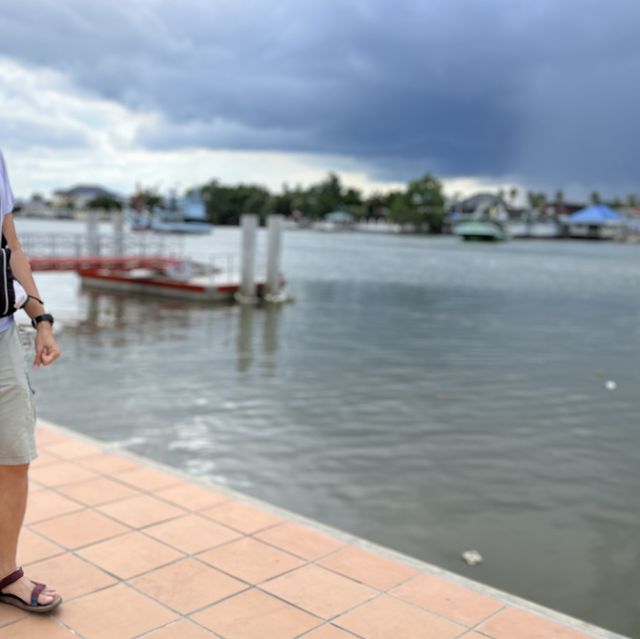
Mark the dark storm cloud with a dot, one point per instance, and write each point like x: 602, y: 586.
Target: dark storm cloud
x: 545, y: 90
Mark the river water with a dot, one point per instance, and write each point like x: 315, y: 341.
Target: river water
x: 429, y: 395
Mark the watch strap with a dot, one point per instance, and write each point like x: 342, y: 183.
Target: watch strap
x: 45, y: 317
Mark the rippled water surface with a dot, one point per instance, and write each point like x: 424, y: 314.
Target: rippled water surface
x: 426, y: 394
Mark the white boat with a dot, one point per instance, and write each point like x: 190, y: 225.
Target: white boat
x: 165, y: 225
x: 481, y: 230
x: 184, y: 215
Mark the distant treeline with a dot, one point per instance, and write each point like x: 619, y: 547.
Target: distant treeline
x: 421, y: 203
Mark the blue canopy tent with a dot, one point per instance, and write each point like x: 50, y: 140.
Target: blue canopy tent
x: 595, y: 215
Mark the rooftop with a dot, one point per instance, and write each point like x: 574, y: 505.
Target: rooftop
x: 137, y: 549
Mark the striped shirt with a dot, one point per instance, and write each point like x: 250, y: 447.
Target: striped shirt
x: 6, y: 206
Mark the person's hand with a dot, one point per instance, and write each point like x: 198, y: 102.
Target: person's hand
x: 46, y: 347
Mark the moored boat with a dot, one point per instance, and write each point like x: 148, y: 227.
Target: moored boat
x: 177, y: 279
x: 185, y: 215
x: 481, y: 230
x: 180, y: 226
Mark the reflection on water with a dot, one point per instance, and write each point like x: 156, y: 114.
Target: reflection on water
x: 428, y: 395
x: 131, y: 316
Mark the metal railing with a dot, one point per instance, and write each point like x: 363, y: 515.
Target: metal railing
x: 100, y: 245
x: 210, y: 267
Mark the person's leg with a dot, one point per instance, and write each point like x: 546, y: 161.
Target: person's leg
x: 13, y: 502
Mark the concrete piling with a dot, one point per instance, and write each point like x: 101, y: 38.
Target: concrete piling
x: 93, y: 238
x: 249, y: 224
x: 118, y: 233
x: 274, y: 245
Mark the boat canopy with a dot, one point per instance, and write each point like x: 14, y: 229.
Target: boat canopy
x: 595, y: 214
x: 193, y: 208
x: 339, y: 217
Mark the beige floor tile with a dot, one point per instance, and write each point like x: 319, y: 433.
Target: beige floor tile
x: 319, y: 591
x: 108, y: 463
x: 36, y: 626
x: 129, y: 555
x: 70, y: 576
x: 389, y: 618
x: 182, y: 629
x: 141, y: 510
x: 251, y: 560
x: 101, y: 490
x: 192, y: 496
x: 299, y: 540
x: 44, y: 504
x: 72, y: 449
x: 187, y: 585
x: 255, y: 615
x: 118, y: 612
x: 330, y: 632
x: 10, y: 614
x: 241, y: 516
x: 46, y: 436
x: 462, y: 605
x: 58, y: 474
x: 474, y: 635
x: 147, y: 478
x: 43, y: 459
x: 33, y: 547
x: 35, y: 487
x: 513, y: 622
x: 79, y: 529
x: 192, y: 533
x: 368, y: 568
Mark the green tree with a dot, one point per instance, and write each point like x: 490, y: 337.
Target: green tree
x: 422, y: 205
x: 374, y: 207
x: 616, y: 203
x: 225, y: 204
x: 595, y: 197
x: 104, y: 202
x: 147, y: 199
x: 325, y: 197
x: 537, y: 200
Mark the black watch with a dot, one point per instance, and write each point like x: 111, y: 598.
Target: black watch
x: 45, y: 317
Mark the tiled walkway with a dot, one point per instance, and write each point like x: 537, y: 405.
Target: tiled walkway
x: 138, y: 550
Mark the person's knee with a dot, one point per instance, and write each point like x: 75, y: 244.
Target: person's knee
x: 13, y: 469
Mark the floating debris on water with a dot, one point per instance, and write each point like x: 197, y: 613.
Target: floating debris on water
x: 472, y: 557
x: 610, y: 385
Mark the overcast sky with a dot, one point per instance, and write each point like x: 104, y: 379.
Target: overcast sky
x: 541, y: 94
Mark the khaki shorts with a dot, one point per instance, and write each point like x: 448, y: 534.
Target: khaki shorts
x: 17, y: 405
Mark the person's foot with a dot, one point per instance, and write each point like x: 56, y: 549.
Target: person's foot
x: 23, y: 587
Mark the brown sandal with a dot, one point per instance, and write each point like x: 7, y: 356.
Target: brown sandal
x: 14, y: 600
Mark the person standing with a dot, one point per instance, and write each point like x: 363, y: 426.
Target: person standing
x: 18, y: 418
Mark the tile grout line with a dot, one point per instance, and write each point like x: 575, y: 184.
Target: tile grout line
x: 328, y: 624
x: 475, y: 627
